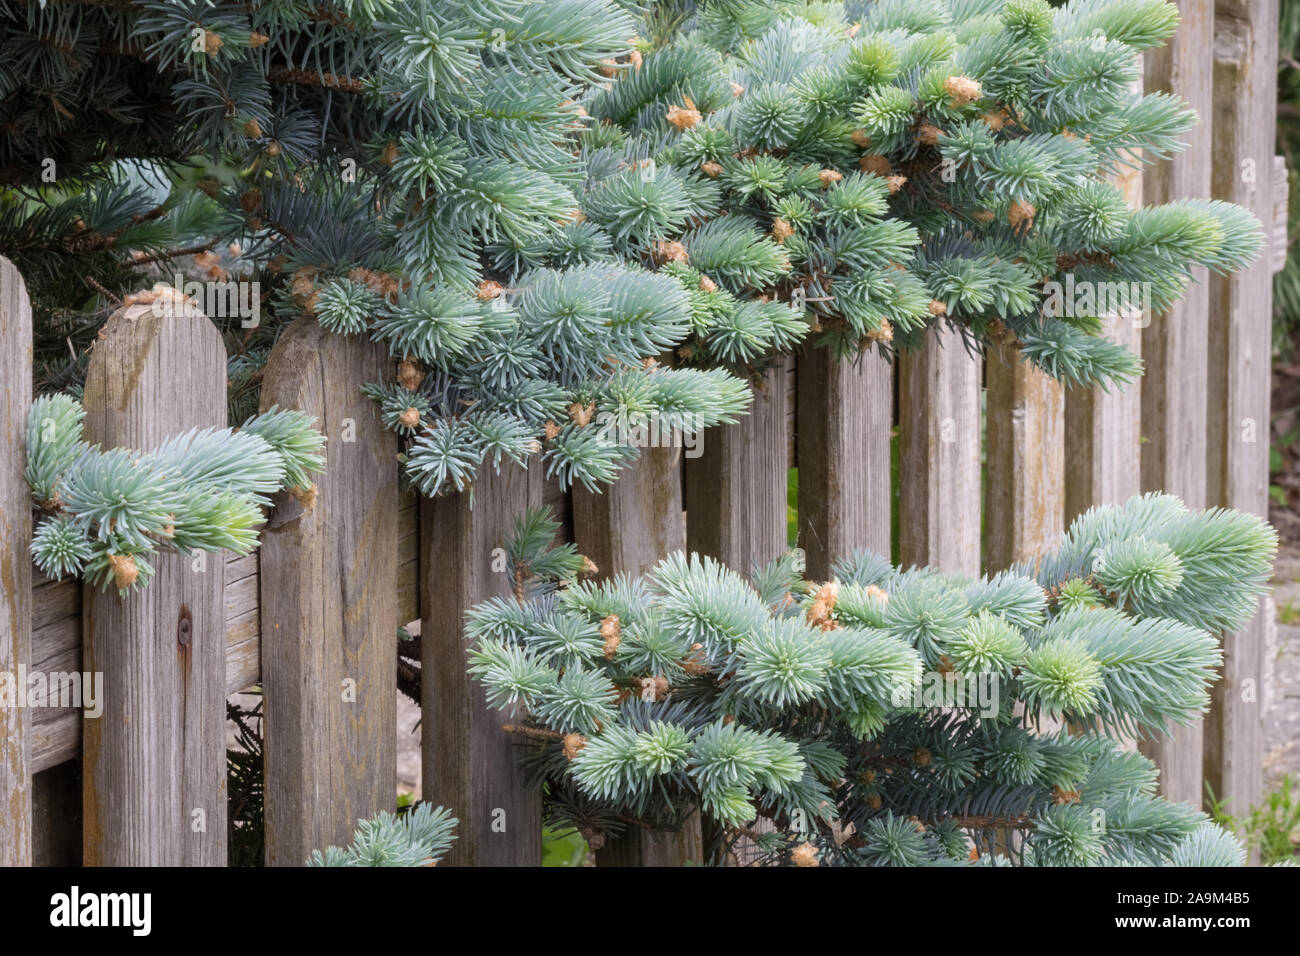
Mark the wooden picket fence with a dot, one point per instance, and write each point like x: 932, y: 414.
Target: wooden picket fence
x: 982, y: 481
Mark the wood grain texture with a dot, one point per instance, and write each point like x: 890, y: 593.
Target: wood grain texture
x: 15, y: 568
x: 154, y: 787
x: 939, y: 425
x: 1174, y: 345
x: 329, y: 617
x: 469, y: 762
x: 1024, y: 489
x: 736, y: 489
x: 629, y: 525
x: 845, y: 417
x: 626, y: 529
x: 1245, y: 89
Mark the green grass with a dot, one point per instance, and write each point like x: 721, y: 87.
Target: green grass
x: 1272, y: 827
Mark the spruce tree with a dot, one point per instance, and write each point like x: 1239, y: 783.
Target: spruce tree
x: 534, y: 203
x: 887, y: 716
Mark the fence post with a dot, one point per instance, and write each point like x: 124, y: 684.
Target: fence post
x: 155, y: 760
x: 1174, y: 346
x: 736, y: 490
x: 939, y: 423
x: 329, y: 588
x: 15, y: 568
x: 1024, y: 490
x: 1245, y: 94
x: 469, y: 763
x: 845, y: 411
x: 627, y: 528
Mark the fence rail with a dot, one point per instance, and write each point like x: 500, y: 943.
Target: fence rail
x: 984, y: 460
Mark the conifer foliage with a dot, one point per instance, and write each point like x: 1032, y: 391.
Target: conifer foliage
x: 532, y: 203
x: 105, y: 512
x: 888, y: 716
x: 894, y: 165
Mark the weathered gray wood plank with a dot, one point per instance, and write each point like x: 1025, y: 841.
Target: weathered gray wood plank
x: 1024, y: 490
x: 329, y: 615
x: 939, y: 432
x: 469, y: 763
x: 155, y: 764
x: 1174, y: 345
x: 845, y: 417
x: 1245, y: 91
x: 627, y: 528
x: 15, y: 567
x: 736, y: 489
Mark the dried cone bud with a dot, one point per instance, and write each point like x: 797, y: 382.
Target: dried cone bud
x: 572, y: 744
x: 895, y: 183
x: 303, y: 287
x: 610, y: 630
x: 635, y: 59
x: 251, y: 200
x: 252, y: 129
x: 921, y: 757
x: 875, y: 592
x: 874, y: 801
x: 551, y: 429
x: 124, y: 570
x: 711, y: 169
x: 1020, y: 212
x: 1060, y: 796
x: 489, y: 290
x: 273, y: 150
x: 875, y: 164
x: 781, y: 230
x: 588, y: 566
x: 995, y: 121
x: 669, y: 251
x: 828, y: 176
x: 211, y: 43
x: 410, y: 417
x: 737, y: 89
x: 409, y: 374
x: 860, y: 139
x: 305, y: 496
x: 928, y: 134
x: 804, y: 855
x: 819, y: 612
x: 938, y: 308
x: 683, y: 117
x: 695, y: 664
x: 581, y: 414
x: 707, y: 284
x: 962, y: 90
x: 258, y: 39
x: 608, y: 68
x: 985, y: 215
x: 389, y: 155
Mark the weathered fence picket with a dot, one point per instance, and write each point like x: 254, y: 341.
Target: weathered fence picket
x: 329, y: 621
x: 15, y: 568
x: 1024, y: 484
x: 939, y: 474
x: 736, y: 490
x: 155, y: 760
x: 469, y: 763
x: 1245, y: 54
x: 1174, y: 422
x: 845, y: 414
x: 627, y: 528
